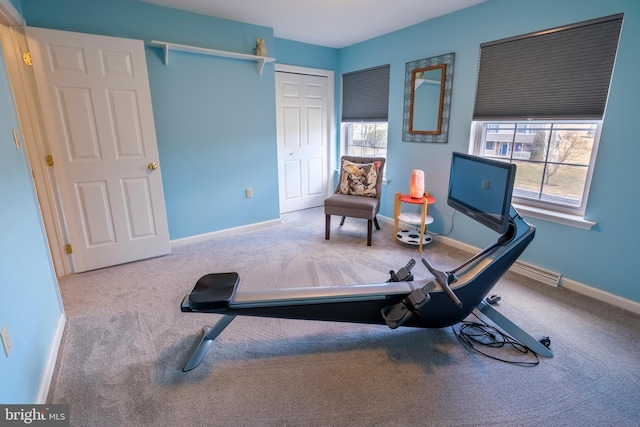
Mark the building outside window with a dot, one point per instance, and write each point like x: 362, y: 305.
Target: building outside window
x: 553, y: 159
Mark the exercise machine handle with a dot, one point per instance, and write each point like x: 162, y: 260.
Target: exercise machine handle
x: 443, y: 279
x: 404, y: 274
x: 397, y: 314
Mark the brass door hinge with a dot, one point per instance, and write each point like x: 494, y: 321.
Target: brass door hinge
x: 49, y: 159
x: 68, y: 249
x: 26, y: 57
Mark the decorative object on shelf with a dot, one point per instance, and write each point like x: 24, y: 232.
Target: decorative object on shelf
x: 261, y: 49
x: 427, y: 99
x: 416, y: 187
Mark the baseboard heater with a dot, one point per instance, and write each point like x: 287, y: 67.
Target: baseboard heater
x: 536, y: 273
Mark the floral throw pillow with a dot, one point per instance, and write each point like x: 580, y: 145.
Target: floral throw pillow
x: 359, y: 179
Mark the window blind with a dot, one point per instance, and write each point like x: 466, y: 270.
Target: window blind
x: 562, y: 73
x: 365, y: 95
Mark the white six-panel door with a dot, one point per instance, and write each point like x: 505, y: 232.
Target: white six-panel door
x: 302, y: 133
x: 96, y: 103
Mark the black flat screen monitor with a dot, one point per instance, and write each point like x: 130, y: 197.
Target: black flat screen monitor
x: 481, y: 188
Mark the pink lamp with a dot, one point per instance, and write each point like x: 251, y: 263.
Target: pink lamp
x: 416, y: 188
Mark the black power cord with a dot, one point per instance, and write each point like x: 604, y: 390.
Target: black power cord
x: 453, y: 217
x: 476, y: 334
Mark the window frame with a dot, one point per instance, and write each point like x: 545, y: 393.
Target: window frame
x: 347, y: 131
x: 543, y: 209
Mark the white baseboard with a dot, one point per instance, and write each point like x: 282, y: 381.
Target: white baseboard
x: 385, y: 219
x: 222, y: 233
x: 599, y: 295
x: 45, y: 381
x: 456, y: 244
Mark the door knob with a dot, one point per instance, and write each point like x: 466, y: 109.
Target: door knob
x: 152, y: 166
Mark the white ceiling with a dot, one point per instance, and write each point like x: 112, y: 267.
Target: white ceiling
x: 330, y: 23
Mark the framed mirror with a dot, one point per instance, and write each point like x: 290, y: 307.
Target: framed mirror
x: 427, y: 99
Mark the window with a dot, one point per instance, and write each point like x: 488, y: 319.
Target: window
x: 365, y: 105
x: 553, y: 159
x: 540, y: 101
x: 366, y: 139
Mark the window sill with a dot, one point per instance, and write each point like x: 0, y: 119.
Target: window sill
x: 557, y: 217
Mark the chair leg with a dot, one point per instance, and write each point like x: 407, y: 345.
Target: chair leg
x: 327, y: 227
x: 370, y: 223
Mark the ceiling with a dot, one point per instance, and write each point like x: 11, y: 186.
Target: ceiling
x: 330, y: 23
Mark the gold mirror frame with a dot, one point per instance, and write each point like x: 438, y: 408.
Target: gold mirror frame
x: 441, y: 99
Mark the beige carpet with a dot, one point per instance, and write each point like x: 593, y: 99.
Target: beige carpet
x: 126, y: 341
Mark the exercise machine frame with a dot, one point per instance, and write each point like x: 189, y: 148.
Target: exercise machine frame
x: 432, y: 303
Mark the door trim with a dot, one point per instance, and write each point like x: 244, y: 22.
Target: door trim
x: 9, y: 15
x: 25, y: 93
x: 331, y: 132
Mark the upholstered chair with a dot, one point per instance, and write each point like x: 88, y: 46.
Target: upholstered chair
x: 357, y: 193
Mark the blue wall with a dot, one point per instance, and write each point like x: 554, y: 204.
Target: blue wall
x: 215, y: 117
x: 305, y: 55
x: 215, y: 122
x: 30, y: 304
x: 600, y: 258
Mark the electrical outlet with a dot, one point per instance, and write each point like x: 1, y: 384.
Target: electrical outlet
x: 249, y: 193
x: 6, y: 340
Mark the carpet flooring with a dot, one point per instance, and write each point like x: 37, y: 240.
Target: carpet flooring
x: 126, y: 341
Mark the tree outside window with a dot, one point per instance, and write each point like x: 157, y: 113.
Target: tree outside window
x: 367, y: 139
x: 553, y: 159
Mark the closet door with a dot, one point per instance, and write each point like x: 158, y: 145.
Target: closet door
x: 302, y: 131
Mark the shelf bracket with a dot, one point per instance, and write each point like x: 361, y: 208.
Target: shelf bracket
x: 166, y: 54
x: 261, y: 63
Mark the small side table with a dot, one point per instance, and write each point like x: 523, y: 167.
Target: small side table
x: 413, y: 218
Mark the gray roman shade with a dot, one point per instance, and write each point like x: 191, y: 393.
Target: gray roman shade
x: 562, y: 73
x: 365, y: 95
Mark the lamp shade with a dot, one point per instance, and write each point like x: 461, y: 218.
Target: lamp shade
x: 416, y: 188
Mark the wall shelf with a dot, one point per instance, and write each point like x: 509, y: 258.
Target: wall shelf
x: 261, y: 60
